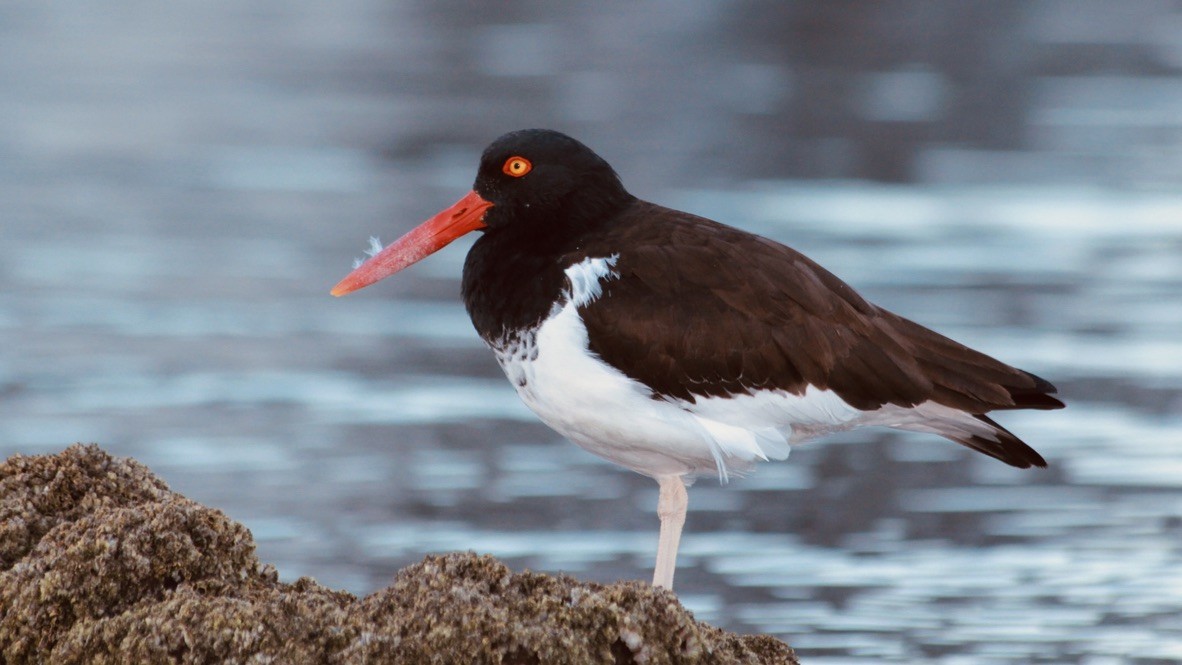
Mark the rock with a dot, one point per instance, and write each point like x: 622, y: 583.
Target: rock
x: 102, y: 563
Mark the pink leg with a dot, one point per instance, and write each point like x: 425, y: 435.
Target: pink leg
x: 671, y: 509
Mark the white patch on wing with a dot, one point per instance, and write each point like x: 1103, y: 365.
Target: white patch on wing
x: 805, y: 416
x: 763, y: 425
x: 937, y: 419
x: 586, y: 279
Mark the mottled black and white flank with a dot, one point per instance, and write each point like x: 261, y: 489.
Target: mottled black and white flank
x: 674, y: 345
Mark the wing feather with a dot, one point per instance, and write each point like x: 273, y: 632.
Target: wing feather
x: 701, y: 309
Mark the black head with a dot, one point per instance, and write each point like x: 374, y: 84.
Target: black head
x: 545, y: 180
x: 535, y: 188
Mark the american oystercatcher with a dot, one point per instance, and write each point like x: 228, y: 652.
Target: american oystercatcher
x: 674, y: 345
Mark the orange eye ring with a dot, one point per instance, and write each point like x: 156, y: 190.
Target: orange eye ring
x: 517, y: 166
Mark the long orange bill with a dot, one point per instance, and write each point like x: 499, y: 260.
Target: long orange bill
x: 465, y: 216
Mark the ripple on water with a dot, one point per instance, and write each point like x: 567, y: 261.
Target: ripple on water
x: 439, y: 323
x: 437, y: 470
x: 953, y: 597
x: 209, y: 454
x: 554, y: 550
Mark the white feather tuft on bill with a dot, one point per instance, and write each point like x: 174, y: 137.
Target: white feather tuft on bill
x: 375, y: 246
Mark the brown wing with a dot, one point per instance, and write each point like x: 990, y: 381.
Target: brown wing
x: 702, y: 309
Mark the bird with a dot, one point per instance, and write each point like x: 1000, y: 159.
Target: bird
x: 677, y: 346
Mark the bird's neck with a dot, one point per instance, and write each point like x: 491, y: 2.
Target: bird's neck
x: 513, y: 276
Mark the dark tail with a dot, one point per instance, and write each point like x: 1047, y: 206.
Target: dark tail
x: 1003, y: 445
x: 1037, y: 396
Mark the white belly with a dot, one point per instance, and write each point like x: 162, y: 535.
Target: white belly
x: 602, y: 410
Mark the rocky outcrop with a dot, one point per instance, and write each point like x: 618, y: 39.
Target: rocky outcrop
x: 102, y: 563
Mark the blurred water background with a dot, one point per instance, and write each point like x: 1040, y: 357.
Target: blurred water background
x: 181, y: 184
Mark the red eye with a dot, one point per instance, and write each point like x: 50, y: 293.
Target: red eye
x: 516, y: 166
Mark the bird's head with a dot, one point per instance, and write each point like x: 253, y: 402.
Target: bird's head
x: 543, y: 178
x: 533, y: 182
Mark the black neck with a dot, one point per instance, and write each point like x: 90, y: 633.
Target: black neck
x: 513, y: 275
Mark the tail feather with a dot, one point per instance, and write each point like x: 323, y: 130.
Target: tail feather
x: 964, y: 385
x: 977, y: 432
x: 1001, y: 444
x: 1037, y: 396
x: 967, y: 379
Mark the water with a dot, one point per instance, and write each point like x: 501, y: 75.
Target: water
x: 182, y: 189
